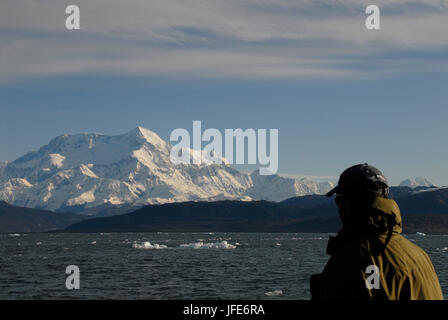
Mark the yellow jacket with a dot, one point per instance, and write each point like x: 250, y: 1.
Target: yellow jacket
x: 405, y: 270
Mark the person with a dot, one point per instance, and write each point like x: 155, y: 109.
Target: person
x: 370, y: 259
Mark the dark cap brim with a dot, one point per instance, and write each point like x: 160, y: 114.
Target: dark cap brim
x: 333, y: 191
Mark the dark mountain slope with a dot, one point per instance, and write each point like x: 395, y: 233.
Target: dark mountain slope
x: 424, y: 212
x: 257, y: 216
x: 18, y: 219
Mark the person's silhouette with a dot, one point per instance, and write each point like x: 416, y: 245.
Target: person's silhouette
x: 370, y: 259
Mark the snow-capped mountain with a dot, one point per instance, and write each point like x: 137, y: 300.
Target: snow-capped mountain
x: 417, y: 182
x: 275, y: 187
x: 89, y: 170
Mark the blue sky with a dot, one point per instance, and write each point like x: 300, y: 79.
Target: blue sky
x: 338, y: 93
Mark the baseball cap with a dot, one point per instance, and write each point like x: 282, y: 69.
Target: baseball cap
x: 360, y: 178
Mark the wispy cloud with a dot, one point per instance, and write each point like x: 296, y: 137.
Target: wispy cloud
x: 215, y: 38
x: 312, y: 177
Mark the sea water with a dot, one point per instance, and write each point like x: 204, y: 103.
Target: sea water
x: 174, y: 265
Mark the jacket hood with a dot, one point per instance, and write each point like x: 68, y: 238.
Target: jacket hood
x: 384, y: 212
x: 380, y: 220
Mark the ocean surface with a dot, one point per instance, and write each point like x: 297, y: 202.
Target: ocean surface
x: 174, y: 265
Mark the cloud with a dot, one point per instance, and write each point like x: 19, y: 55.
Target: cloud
x: 312, y: 177
x: 248, y: 39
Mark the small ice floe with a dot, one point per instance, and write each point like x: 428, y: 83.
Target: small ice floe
x: 420, y: 234
x: 212, y: 245
x: 38, y: 243
x: 148, y: 245
x: 14, y: 235
x: 278, y: 244
x: 93, y: 242
x: 274, y: 293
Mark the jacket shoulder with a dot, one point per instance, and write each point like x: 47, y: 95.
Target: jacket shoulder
x: 342, y: 277
x: 410, y: 262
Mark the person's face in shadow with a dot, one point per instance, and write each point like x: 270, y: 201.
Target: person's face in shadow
x: 344, y: 208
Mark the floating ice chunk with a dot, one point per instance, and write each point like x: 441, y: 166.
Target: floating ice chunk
x: 14, y: 235
x: 148, y: 245
x: 38, y: 243
x: 274, y: 293
x: 212, y: 245
x: 420, y: 234
x: 93, y: 242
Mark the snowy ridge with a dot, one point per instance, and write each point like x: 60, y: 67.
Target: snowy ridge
x: 79, y: 171
x: 430, y: 190
x: 417, y: 182
x: 275, y: 187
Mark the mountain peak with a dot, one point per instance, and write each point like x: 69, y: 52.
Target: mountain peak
x: 148, y: 135
x: 417, y: 182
